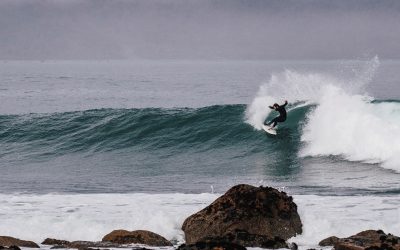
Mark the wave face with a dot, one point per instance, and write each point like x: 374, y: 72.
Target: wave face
x: 150, y: 129
x: 351, y: 126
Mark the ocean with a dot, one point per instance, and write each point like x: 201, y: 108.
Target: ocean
x: 87, y: 147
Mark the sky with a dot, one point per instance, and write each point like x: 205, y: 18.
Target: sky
x: 199, y: 29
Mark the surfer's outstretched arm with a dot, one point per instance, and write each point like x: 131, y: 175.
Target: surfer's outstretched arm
x: 284, y: 104
x: 270, y: 107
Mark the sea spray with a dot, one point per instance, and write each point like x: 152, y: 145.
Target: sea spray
x: 304, y: 87
x: 345, y: 121
x: 355, y: 128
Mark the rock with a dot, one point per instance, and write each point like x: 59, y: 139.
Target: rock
x: 91, y: 244
x: 262, y: 211
x: 11, y: 248
x: 10, y: 241
x: 293, y: 246
x: 330, y: 241
x: 57, y: 244
x: 211, y: 245
x: 347, y: 246
x: 365, y: 240
x: 50, y: 241
x: 58, y: 247
x: 136, y: 237
x: 250, y: 240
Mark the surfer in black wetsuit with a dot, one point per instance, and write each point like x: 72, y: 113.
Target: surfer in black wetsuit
x: 282, y: 114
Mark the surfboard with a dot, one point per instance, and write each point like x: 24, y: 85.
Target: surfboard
x: 269, y: 130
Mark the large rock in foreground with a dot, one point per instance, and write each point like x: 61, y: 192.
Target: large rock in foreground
x: 365, y: 240
x: 262, y: 211
x: 10, y: 241
x: 136, y: 237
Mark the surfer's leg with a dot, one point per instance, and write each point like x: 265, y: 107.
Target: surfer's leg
x: 273, y: 122
x: 276, y: 120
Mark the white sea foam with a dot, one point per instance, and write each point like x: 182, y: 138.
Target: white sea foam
x: 91, y: 216
x: 299, y: 86
x: 354, y: 128
x: 345, y: 122
x: 289, y: 85
x: 343, y: 216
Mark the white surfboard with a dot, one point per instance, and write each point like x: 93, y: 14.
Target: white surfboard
x: 269, y: 130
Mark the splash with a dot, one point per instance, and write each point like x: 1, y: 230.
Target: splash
x: 355, y: 128
x: 346, y: 121
x: 304, y: 87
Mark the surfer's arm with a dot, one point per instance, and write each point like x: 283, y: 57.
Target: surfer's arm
x: 285, y: 104
x: 270, y: 107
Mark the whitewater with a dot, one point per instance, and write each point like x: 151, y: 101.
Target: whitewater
x: 88, y: 147
x: 345, y: 121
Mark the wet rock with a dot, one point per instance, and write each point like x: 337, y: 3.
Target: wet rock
x: 365, y: 240
x: 293, y: 246
x: 330, y: 241
x: 262, y: 211
x: 136, y: 237
x: 58, y: 247
x: 211, y: 245
x: 11, y: 248
x: 243, y: 238
x: 10, y: 241
x: 91, y: 244
x: 50, y: 241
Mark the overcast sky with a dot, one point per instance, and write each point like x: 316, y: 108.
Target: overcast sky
x: 199, y: 29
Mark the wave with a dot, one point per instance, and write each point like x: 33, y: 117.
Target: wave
x: 345, y: 121
x: 327, y: 116
x: 113, y: 129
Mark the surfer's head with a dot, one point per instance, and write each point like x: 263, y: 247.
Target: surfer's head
x: 276, y: 105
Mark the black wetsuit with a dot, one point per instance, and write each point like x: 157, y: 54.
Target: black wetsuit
x: 282, y: 115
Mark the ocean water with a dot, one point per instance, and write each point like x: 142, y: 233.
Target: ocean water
x: 87, y: 147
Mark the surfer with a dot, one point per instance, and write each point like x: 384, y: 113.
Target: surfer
x: 282, y: 114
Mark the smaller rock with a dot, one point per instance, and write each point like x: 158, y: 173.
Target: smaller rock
x: 11, y: 248
x: 365, y: 240
x: 91, y: 244
x: 347, y: 246
x: 10, y: 241
x: 330, y: 241
x: 293, y: 246
x: 136, y: 237
x: 50, y: 241
x: 58, y: 247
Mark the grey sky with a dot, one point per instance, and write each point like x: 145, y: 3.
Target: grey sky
x: 199, y: 29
